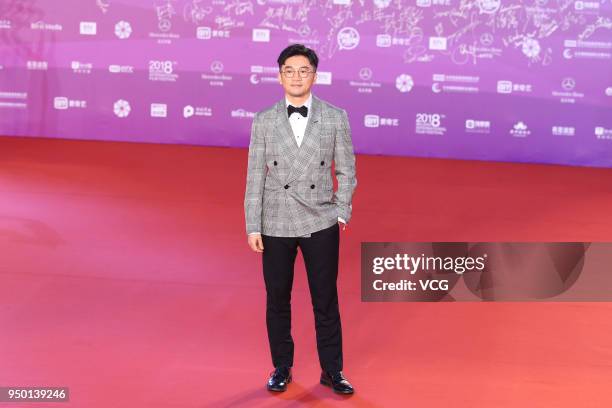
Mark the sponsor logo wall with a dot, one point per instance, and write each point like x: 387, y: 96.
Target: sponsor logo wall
x: 483, y: 79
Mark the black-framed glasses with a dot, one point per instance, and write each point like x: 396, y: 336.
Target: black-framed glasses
x: 302, y: 72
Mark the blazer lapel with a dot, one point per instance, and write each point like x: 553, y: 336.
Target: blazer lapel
x: 287, y: 142
x: 310, y: 143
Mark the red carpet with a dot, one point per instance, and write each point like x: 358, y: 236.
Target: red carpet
x: 126, y: 276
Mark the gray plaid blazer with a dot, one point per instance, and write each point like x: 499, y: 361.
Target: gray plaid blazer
x: 289, y: 188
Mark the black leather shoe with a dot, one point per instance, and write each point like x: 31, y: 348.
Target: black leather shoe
x: 337, y: 381
x: 279, y: 378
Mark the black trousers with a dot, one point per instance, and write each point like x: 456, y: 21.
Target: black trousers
x: 320, y: 252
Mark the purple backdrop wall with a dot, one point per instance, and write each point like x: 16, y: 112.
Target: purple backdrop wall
x: 527, y: 81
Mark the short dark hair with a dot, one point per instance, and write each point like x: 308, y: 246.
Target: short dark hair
x: 298, y: 49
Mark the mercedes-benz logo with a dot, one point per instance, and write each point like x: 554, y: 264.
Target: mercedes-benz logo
x: 216, y: 67
x: 164, y: 25
x: 304, y: 30
x: 486, y: 39
x: 365, y: 73
x: 568, y: 84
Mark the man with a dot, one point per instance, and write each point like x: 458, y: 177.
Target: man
x: 290, y: 203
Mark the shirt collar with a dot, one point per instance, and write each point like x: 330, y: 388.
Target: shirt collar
x: 308, y: 102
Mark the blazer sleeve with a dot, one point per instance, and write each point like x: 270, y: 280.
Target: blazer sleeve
x: 256, y: 175
x: 344, y: 159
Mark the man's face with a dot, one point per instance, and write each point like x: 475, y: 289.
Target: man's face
x: 291, y: 74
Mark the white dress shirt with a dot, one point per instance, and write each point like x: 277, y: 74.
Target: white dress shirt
x: 297, y: 121
x: 298, y: 125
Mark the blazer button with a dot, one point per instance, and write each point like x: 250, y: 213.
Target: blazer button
x: 275, y: 163
x: 286, y: 186
x: 312, y: 186
x: 322, y: 163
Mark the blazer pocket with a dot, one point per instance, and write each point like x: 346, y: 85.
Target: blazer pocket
x: 270, y: 205
x: 324, y: 194
x: 326, y: 138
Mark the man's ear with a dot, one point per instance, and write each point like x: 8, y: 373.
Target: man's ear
x: 280, y: 80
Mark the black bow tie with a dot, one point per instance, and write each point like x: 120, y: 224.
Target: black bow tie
x: 302, y: 110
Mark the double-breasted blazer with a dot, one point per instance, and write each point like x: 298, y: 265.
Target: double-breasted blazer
x: 289, y: 188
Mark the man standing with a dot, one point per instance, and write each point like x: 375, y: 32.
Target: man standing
x: 290, y: 203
